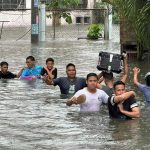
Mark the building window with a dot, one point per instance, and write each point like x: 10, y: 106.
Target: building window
x: 79, y: 20
x: 12, y: 4
x: 87, y: 20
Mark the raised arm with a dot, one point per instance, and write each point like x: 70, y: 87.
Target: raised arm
x: 136, y: 71
x: 122, y: 97
x: 100, y: 77
x: 125, y: 71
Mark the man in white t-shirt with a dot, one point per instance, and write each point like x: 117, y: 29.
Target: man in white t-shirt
x: 90, y: 98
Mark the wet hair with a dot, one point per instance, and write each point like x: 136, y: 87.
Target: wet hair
x: 118, y: 83
x: 3, y: 63
x: 107, y: 75
x: 70, y: 64
x: 91, y: 75
x: 31, y: 58
x: 147, y: 80
x: 49, y: 59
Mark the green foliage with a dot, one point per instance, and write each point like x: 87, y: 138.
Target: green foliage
x: 138, y: 14
x: 65, y: 15
x: 58, y: 7
x: 115, y: 18
x: 143, y: 25
x: 101, y: 5
x: 95, y: 31
x: 61, y: 4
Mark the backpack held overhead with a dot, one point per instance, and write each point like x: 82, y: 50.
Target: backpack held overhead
x: 110, y: 62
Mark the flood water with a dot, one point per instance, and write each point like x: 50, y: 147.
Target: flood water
x: 33, y: 116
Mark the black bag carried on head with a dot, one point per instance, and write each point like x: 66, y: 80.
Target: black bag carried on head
x: 110, y: 62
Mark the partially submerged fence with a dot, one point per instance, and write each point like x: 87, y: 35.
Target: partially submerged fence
x: 16, y: 25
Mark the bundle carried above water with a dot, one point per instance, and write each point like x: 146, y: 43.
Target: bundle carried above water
x: 110, y: 62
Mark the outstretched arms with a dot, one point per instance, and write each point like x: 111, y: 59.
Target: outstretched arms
x: 76, y: 99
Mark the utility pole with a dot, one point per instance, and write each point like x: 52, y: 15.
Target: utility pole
x: 34, y: 21
x: 42, y: 20
x: 108, y: 23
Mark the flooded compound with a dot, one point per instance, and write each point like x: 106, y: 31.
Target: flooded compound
x: 33, y: 116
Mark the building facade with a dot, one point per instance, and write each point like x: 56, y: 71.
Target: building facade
x: 8, y: 10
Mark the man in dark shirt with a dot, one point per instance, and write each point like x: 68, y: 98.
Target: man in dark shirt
x: 122, y: 105
x: 4, y: 73
x: 69, y: 84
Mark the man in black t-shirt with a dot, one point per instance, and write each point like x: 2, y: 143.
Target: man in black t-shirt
x: 4, y: 73
x: 122, y: 105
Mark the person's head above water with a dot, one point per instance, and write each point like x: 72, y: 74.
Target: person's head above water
x: 147, y: 79
x: 3, y: 63
x: 71, y: 71
x: 50, y: 63
x: 91, y: 81
x: 108, y: 76
x: 119, y: 87
x: 4, y: 66
x: 30, y: 61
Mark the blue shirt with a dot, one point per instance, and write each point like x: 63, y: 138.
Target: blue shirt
x: 36, y: 71
x: 145, y: 90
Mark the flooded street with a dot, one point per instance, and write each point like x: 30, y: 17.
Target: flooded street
x: 33, y: 116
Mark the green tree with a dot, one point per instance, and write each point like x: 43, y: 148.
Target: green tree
x: 137, y: 13
x: 59, y: 8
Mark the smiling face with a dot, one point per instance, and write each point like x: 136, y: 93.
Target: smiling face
x: 30, y: 63
x: 50, y: 65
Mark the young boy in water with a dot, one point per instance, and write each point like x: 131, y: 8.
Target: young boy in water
x: 4, y: 73
x: 145, y: 89
x: 49, y: 69
x: 31, y: 71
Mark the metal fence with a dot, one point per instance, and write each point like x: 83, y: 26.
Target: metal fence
x: 16, y: 25
x: 81, y: 19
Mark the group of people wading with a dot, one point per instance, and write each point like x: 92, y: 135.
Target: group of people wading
x: 88, y: 92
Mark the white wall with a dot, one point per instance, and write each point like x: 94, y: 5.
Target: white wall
x: 19, y: 18
x: 28, y: 4
x: 90, y: 4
